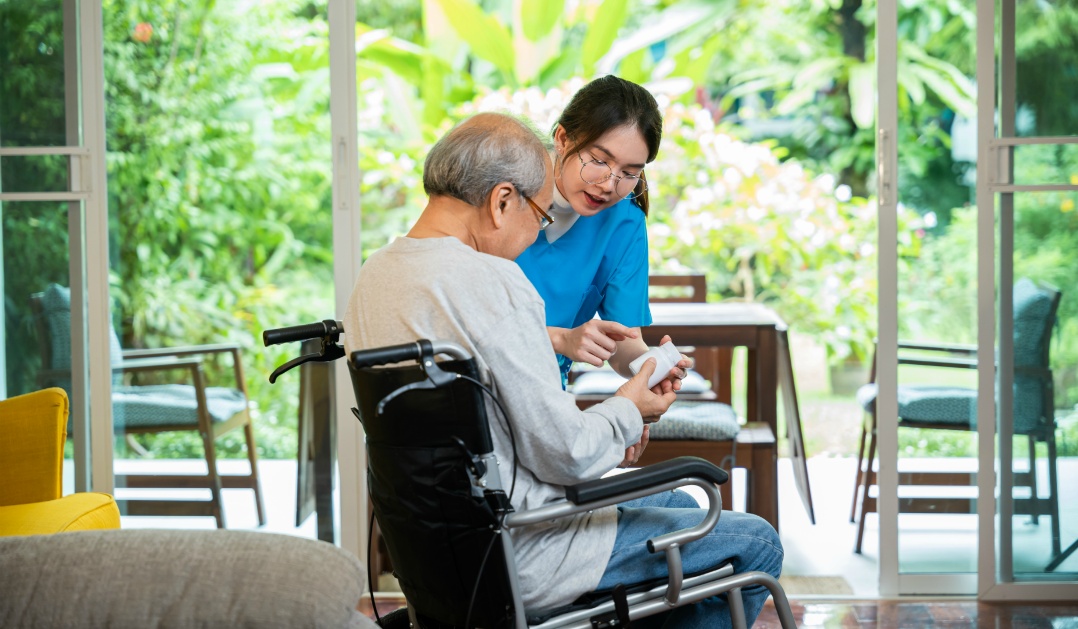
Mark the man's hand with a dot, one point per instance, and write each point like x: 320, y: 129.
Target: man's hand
x: 633, y: 452
x: 652, y: 403
x: 593, y: 342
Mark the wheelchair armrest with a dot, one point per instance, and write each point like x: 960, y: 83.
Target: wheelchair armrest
x: 665, y: 476
x: 646, y: 477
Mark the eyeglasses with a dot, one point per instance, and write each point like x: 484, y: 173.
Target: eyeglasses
x: 597, y: 171
x: 544, y: 218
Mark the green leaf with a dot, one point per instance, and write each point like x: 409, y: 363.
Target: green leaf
x: 695, y: 62
x: 403, y: 58
x: 863, y: 95
x: 432, y: 90
x: 908, y: 81
x: 632, y: 67
x: 672, y: 22
x: 488, y: 38
x: 540, y: 16
x: 559, y: 68
x: 602, y: 32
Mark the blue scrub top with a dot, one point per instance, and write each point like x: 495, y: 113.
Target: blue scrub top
x: 599, y: 266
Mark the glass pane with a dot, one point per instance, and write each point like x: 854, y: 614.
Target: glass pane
x: 1045, y: 164
x: 1047, y: 68
x: 35, y: 173
x: 34, y: 236
x: 32, y: 83
x: 937, y: 451
x: 36, y: 335
x: 1044, y: 414
x: 220, y: 226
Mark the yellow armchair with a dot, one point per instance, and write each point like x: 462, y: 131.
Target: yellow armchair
x: 33, y: 428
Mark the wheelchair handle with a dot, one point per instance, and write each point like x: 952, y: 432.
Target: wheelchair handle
x: 303, y: 332
x: 406, y: 351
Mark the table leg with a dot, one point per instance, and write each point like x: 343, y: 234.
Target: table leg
x: 764, y: 492
x: 765, y: 370
x: 756, y: 443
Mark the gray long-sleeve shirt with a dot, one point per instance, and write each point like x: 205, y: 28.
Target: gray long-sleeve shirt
x: 441, y: 289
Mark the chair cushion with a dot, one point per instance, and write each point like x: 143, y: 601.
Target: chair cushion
x: 957, y: 405
x: 77, y: 512
x: 702, y: 421
x: 171, y: 405
x: 32, y: 446
x: 606, y: 382
x: 940, y: 405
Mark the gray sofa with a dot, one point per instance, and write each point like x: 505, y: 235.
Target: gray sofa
x: 178, y: 578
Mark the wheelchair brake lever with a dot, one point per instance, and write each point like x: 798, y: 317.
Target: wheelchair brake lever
x: 330, y: 352
x: 295, y: 362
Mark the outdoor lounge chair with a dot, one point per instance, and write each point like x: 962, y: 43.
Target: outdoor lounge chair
x: 937, y: 407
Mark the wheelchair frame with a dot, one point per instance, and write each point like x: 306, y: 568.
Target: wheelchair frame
x: 612, y: 611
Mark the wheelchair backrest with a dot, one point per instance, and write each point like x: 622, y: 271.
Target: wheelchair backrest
x: 439, y: 529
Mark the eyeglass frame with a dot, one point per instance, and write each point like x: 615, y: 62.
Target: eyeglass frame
x: 545, y: 220
x: 617, y: 178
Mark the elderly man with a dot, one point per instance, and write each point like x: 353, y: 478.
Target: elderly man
x: 453, y: 278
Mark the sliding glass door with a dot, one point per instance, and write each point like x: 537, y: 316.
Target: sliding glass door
x: 222, y: 179
x: 51, y: 198
x: 976, y: 368
x: 1026, y: 202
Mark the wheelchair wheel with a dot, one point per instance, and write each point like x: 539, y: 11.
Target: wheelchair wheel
x: 397, y: 619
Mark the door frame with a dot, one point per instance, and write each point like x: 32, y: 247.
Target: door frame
x: 995, y: 152
x: 347, y: 258
x: 87, y: 198
x: 994, y: 578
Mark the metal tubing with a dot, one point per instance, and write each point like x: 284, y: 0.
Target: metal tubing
x: 676, y: 573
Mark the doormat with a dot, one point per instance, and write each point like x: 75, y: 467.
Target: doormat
x: 823, y: 585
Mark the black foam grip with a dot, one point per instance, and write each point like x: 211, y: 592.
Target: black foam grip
x: 385, y: 355
x: 650, y: 476
x: 298, y: 332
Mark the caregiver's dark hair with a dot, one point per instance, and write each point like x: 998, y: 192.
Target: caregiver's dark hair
x: 607, y: 103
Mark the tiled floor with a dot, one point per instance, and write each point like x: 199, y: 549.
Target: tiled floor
x: 924, y: 614
x: 895, y: 615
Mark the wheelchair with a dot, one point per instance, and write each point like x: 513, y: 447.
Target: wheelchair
x: 436, y: 493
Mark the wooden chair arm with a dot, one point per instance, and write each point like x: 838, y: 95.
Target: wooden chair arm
x: 950, y: 348
x: 959, y: 363
x: 193, y: 350
x: 156, y: 364
x: 185, y: 350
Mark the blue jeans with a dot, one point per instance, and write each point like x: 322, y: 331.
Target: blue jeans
x: 746, y: 540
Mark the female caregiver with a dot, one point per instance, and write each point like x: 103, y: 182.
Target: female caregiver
x: 593, y: 258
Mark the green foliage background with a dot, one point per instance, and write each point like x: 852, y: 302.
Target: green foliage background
x: 219, y: 161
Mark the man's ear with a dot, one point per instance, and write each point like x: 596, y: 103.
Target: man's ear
x: 500, y: 200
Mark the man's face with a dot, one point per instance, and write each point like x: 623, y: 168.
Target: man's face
x: 525, y: 221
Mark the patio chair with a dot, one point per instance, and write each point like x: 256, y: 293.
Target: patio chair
x: 936, y: 407
x: 702, y: 423
x: 184, y: 403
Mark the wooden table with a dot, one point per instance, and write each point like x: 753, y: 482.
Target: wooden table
x: 729, y: 324
x: 764, y: 334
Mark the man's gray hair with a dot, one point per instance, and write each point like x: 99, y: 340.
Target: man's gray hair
x: 482, y: 152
